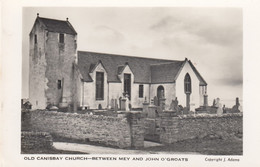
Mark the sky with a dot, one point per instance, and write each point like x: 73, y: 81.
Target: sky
x: 212, y: 38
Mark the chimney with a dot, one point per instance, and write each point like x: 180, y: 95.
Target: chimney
x: 37, y: 14
x: 67, y: 19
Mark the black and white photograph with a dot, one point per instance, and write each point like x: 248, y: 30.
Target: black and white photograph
x: 129, y: 83
x: 132, y: 80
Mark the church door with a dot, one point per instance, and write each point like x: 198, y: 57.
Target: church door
x: 160, y: 94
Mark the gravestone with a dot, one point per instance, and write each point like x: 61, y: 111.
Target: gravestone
x: 162, y: 103
x: 122, y: 104
x: 205, y: 102
x: 236, y: 108
x: 99, y: 106
x: 174, y: 105
x: 120, y: 98
x: 127, y: 103
x: 112, y: 103
x: 214, y: 103
x: 219, y: 107
x: 155, y: 100
x: 116, y: 106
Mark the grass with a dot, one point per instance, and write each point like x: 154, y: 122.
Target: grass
x: 201, y: 146
x: 204, y: 146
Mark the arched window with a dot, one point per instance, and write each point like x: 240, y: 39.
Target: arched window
x: 187, y: 84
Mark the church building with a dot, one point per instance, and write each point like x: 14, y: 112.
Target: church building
x: 61, y: 75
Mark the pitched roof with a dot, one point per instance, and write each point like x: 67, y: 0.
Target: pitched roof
x: 145, y: 70
x: 59, y: 26
x: 115, y: 63
x: 165, y: 73
x: 201, y: 79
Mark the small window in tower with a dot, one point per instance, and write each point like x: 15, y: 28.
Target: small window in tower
x: 61, y: 38
x: 141, y: 91
x: 59, y: 84
x: 35, y: 39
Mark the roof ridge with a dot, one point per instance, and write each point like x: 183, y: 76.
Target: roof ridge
x: 197, y: 72
x: 173, y: 61
x: 55, y: 25
x: 52, y: 19
x: 112, y: 54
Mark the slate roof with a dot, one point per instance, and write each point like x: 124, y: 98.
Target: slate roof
x: 145, y: 70
x: 202, y: 81
x: 59, y: 26
x: 166, y: 73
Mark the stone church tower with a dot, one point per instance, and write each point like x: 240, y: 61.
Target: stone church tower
x: 53, y: 51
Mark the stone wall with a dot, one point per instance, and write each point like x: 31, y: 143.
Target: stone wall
x: 180, y: 128
x: 136, y: 129
x: 37, y: 67
x: 35, y: 140
x: 123, y: 131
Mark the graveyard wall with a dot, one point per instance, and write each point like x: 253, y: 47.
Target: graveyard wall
x: 173, y: 129
x: 125, y: 131
x: 35, y: 140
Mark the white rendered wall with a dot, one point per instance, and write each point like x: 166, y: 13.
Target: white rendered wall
x: 137, y: 102
x: 90, y: 90
x: 169, y: 92
x: 195, y: 88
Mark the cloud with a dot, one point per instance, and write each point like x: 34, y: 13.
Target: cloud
x: 219, y: 31
x: 232, y: 81
x: 109, y: 33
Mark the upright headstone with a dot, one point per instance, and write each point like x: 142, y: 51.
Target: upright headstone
x: 236, y: 107
x: 120, y: 99
x: 99, y: 106
x: 112, y: 103
x: 237, y: 102
x: 127, y: 103
x: 174, y: 105
x: 219, y: 107
x: 123, y: 105
x: 145, y: 106
x: 162, y: 103
x: 205, y: 101
x: 155, y: 100
x: 214, y: 103
x: 116, y: 106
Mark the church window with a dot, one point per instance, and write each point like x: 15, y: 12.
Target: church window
x: 99, y: 86
x: 59, y: 84
x: 35, y: 39
x: 141, y: 91
x: 61, y: 38
x: 187, y: 84
x: 127, y: 85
